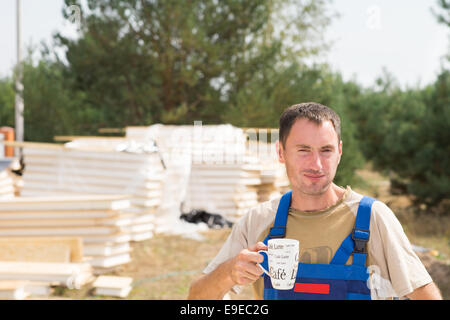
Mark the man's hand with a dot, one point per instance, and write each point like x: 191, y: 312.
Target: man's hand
x: 243, y: 267
x: 241, y: 270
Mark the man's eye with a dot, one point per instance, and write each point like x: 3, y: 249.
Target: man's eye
x: 327, y: 150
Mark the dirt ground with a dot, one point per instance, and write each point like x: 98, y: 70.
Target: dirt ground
x: 164, y: 266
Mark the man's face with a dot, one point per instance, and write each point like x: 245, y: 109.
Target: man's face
x: 311, y: 156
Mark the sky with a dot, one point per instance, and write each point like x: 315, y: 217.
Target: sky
x: 401, y: 36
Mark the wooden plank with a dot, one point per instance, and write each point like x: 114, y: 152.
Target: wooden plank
x: 70, y: 138
x: 75, y: 245
x: 34, y: 252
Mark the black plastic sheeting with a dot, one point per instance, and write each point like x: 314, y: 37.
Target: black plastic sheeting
x: 213, y: 220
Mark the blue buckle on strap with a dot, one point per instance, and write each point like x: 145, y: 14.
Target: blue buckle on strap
x: 360, y: 237
x: 277, y: 232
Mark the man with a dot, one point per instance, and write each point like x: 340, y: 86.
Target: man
x: 320, y: 215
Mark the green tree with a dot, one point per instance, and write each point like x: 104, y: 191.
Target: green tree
x: 141, y: 62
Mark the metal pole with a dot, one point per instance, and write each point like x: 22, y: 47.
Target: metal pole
x: 19, y: 105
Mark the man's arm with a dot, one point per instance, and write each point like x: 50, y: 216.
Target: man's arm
x: 427, y: 292
x: 240, y: 270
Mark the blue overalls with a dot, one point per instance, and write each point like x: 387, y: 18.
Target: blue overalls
x: 334, y: 281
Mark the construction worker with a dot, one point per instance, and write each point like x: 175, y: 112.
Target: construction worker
x: 343, y: 235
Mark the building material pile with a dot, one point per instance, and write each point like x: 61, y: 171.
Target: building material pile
x: 225, y: 174
x: 91, y: 166
x: 226, y: 189
x: 101, y: 221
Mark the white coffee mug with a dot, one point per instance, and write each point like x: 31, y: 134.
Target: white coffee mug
x: 282, y: 257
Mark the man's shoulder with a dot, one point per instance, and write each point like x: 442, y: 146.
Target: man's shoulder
x: 259, y: 217
x: 379, y: 208
x: 265, y: 209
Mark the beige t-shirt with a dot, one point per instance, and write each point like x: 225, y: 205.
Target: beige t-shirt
x: 395, y: 270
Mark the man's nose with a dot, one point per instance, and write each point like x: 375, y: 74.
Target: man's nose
x: 316, y: 163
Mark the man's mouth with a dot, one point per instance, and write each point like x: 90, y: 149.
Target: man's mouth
x: 314, y: 176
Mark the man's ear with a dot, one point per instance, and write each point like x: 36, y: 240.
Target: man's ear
x: 280, y: 151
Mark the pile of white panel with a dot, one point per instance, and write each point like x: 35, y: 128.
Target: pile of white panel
x: 105, y: 223
x: 226, y: 189
x: 223, y: 177
x: 94, y: 166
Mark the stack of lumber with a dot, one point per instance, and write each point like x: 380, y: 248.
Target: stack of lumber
x: 113, y: 286
x: 94, y: 166
x: 104, y: 223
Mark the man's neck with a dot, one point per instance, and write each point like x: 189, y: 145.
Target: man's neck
x: 305, y: 202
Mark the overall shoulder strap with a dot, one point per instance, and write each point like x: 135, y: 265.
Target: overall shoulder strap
x: 355, y: 243
x: 361, y: 233
x: 279, y: 226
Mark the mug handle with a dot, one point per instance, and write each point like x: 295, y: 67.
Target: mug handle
x: 263, y: 252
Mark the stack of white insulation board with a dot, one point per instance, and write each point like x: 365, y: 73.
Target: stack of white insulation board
x: 94, y: 166
x: 229, y: 173
x: 223, y: 177
x: 227, y: 189
x: 105, y: 223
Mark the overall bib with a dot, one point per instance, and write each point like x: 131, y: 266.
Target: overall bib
x: 334, y: 281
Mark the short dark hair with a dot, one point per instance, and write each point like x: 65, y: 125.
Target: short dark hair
x: 312, y: 111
